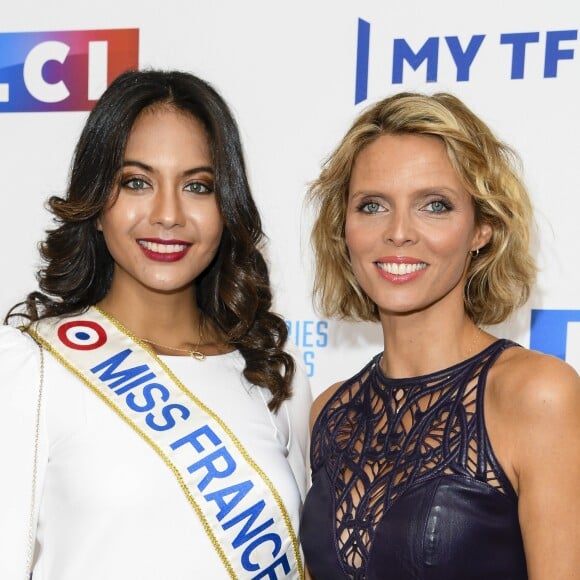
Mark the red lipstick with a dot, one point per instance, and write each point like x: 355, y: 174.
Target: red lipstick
x: 160, y: 250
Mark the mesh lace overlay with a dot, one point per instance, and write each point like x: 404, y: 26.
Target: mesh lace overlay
x: 377, y: 437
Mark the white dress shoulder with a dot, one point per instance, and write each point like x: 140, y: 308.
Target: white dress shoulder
x: 107, y: 507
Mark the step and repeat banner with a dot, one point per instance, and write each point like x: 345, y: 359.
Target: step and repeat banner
x: 296, y: 74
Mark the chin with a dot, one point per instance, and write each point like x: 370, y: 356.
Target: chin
x: 168, y: 287
x: 406, y: 309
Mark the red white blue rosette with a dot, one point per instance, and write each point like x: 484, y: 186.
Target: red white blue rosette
x: 82, y: 334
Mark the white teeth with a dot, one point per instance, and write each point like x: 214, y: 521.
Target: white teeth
x: 162, y: 248
x: 401, y: 269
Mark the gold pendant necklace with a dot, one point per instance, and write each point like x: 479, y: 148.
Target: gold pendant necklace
x: 193, y: 353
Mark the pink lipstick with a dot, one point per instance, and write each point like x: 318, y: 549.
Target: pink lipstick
x: 400, y: 269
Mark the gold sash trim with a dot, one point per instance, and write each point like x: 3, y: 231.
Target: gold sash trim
x: 238, y: 506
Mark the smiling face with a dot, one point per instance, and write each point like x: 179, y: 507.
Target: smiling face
x: 410, y: 225
x: 164, y: 227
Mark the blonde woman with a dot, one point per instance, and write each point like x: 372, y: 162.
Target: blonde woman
x: 452, y: 455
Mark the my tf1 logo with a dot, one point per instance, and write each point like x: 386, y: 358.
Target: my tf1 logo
x: 62, y: 71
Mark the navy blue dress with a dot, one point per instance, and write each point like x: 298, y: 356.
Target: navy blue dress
x: 405, y: 483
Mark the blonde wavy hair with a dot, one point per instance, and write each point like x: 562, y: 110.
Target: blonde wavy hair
x: 500, y: 277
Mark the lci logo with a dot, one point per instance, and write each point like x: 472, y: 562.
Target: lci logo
x: 62, y: 71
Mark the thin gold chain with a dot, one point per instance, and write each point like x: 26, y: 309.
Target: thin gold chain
x: 476, y: 338
x: 194, y: 353
x: 31, y: 530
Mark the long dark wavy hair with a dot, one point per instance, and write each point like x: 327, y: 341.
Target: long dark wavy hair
x: 233, y: 292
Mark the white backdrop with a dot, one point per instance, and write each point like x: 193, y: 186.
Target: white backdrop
x: 289, y: 71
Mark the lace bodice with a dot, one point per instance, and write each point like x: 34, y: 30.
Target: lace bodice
x: 377, y: 438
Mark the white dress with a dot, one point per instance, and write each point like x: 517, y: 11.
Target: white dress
x: 107, y: 507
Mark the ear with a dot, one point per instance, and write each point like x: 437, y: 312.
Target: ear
x: 481, y: 236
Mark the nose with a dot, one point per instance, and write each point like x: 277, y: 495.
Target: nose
x: 399, y: 229
x: 167, y: 208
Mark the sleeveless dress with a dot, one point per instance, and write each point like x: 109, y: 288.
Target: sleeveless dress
x: 405, y: 484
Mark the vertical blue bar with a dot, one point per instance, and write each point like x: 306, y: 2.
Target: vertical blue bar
x: 362, y: 61
x: 549, y: 330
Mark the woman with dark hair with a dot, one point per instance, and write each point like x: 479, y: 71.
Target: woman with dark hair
x: 452, y: 455
x: 153, y: 424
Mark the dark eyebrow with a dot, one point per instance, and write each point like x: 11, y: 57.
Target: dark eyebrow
x: 187, y: 172
x: 202, y: 169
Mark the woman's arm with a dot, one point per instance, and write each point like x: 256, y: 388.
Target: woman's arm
x: 298, y: 409
x: 315, y: 410
x: 21, y: 434
x: 547, y: 464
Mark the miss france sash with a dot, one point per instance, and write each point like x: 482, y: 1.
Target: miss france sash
x: 240, y: 510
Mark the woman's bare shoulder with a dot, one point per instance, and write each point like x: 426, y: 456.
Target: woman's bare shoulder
x: 536, y: 382
x: 321, y: 400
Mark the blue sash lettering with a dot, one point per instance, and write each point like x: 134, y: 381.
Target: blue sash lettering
x: 239, y: 491
x: 246, y: 533
x: 274, y: 538
x: 210, y: 457
x: 113, y: 363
